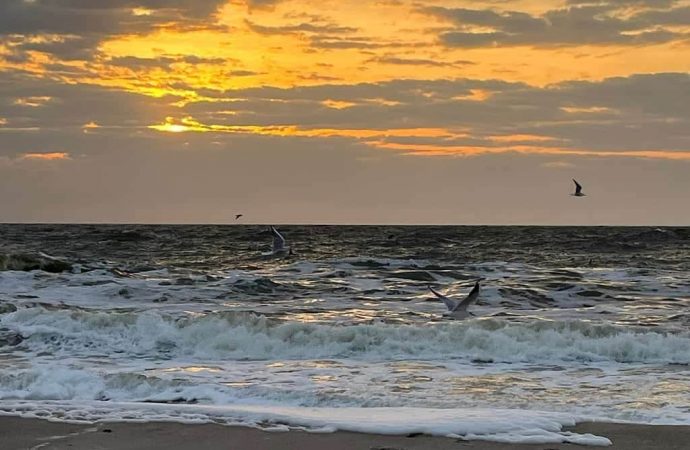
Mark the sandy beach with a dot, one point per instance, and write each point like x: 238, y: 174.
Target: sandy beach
x: 19, y: 434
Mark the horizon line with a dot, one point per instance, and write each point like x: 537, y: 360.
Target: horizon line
x: 366, y: 224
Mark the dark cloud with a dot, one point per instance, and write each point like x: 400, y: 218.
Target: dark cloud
x: 261, y: 3
x: 66, y: 108
x: 637, y: 112
x: 244, y: 73
x: 356, y: 42
x: 81, y: 17
x: 134, y: 62
x: 595, y: 23
x: 617, y: 3
x: 626, y: 113
x: 334, y: 42
x: 300, y: 28
x: 675, y: 16
x: 82, y: 24
x: 65, y: 47
x: 388, y: 59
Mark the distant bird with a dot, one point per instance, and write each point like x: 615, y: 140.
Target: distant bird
x: 279, y: 244
x: 458, y: 309
x: 237, y: 216
x: 578, y: 190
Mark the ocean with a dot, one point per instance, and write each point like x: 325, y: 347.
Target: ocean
x: 194, y: 324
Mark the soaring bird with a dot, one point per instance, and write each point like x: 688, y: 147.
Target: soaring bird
x: 578, y: 190
x: 458, y: 309
x: 279, y: 247
x: 237, y: 216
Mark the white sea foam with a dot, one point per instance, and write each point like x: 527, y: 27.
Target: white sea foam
x: 101, y: 345
x: 247, y: 336
x: 515, y: 426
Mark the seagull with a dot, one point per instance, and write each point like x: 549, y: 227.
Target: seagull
x: 237, y: 216
x: 279, y: 247
x: 458, y: 309
x: 578, y: 190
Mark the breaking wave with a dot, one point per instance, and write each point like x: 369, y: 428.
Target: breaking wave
x: 245, y: 336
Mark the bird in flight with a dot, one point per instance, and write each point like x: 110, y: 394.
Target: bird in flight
x: 237, y: 216
x: 578, y: 190
x: 279, y: 244
x: 458, y: 308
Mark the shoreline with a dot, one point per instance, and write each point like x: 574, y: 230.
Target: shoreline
x: 24, y: 433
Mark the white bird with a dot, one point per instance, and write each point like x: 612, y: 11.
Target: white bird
x: 279, y: 244
x: 458, y: 309
x: 578, y: 190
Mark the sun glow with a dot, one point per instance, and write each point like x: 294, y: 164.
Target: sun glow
x: 172, y: 128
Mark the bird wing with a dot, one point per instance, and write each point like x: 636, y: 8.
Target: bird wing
x: 450, y: 304
x: 278, y: 240
x: 578, y: 188
x: 467, y: 301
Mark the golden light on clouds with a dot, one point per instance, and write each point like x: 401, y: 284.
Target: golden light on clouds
x: 33, y: 102
x: 587, y: 110
x: 141, y: 12
x: 458, y: 150
x: 90, y: 127
x: 54, y: 156
x: 350, y: 42
x: 189, y: 124
x: 338, y: 104
x: 297, y: 44
x: 341, y: 90
x: 280, y: 47
x: 174, y: 128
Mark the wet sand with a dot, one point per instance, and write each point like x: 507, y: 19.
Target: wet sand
x: 20, y: 434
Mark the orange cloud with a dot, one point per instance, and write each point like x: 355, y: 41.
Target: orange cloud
x: 377, y: 139
x: 337, y: 104
x: 437, y: 150
x: 189, y: 124
x: 91, y: 126
x: 55, y: 156
x: 589, y: 110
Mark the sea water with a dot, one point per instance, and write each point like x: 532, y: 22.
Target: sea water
x: 192, y: 324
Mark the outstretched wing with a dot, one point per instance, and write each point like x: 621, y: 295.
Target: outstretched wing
x: 578, y: 188
x: 467, y: 301
x: 450, y: 304
x: 278, y: 240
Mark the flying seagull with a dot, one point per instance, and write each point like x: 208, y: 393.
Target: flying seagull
x: 237, y: 216
x: 279, y: 247
x: 458, y: 309
x: 578, y: 190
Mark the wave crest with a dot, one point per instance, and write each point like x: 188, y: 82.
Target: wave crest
x: 246, y: 336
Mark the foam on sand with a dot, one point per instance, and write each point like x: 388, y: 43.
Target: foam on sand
x: 500, y: 425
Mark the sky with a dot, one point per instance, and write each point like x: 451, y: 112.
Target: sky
x: 347, y: 111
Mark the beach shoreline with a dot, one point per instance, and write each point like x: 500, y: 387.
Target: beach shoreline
x: 21, y: 433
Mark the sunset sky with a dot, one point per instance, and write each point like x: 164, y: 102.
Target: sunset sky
x: 347, y: 111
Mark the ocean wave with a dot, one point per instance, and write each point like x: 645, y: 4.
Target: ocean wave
x: 56, y: 382
x: 246, y: 336
x: 30, y: 261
